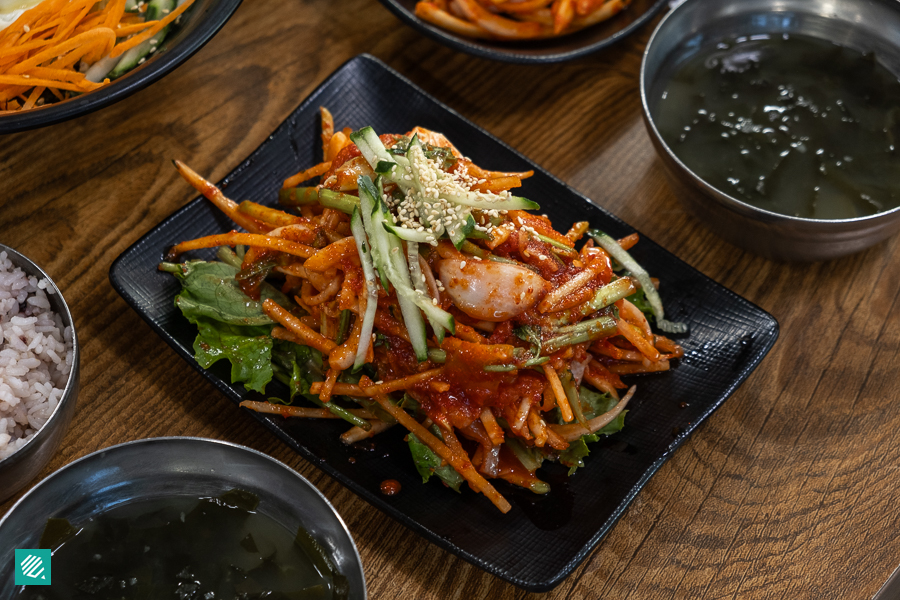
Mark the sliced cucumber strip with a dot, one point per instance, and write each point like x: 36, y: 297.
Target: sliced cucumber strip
x: 391, y: 259
x: 157, y: 9
x: 133, y: 57
x: 365, y: 259
x: 638, y: 272
x: 418, y: 280
x: 388, y: 263
x: 473, y: 200
x: 387, y: 260
x: 436, y: 200
x: 410, y: 235
x: 375, y: 153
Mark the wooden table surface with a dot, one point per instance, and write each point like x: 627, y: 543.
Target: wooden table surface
x: 790, y: 490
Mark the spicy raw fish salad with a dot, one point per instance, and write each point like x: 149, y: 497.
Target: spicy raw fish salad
x: 413, y: 288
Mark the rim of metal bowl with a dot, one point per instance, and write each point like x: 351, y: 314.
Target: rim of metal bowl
x: 715, y: 192
x: 199, y: 440
x: 66, y: 317
x: 463, y: 45
x: 148, y: 73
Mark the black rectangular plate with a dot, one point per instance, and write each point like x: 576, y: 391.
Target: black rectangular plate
x: 543, y: 538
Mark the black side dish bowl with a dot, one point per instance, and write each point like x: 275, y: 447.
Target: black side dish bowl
x: 567, y: 47
x: 197, y: 26
x: 543, y: 538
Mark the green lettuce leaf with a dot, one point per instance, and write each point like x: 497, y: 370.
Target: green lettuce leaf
x: 594, y: 404
x: 304, y: 364
x: 428, y: 463
x: 249, y: 349
x: 573, y: 456
x: 229, y: 324
x: 209, y: 289
x: 530, y: 457
x: 639, y: 299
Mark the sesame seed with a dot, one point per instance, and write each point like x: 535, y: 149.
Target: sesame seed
x: 434, y: 301
x: 462, y: 264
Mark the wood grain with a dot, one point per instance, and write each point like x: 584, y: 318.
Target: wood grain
x: 789, y: 491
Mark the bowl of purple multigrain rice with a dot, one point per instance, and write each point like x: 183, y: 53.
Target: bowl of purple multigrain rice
x: 39, y: 369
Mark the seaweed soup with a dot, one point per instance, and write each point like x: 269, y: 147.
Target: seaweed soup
x: 788, y: 123
x: 186, y: 548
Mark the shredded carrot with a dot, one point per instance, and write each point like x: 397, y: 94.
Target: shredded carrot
x: 331, y: 255
x: 328, y: 386
x: 499, y: 184
x: 302, y: 411
x: 562, y: 401
x: 309, y: 173
x: 629, y: 241
x: 493, y: 429
x: 223, y: 203
x: 32, y: 98
x: 633, y: 368
x: 347, y: 389
x: 356, y: 434
x: 123, y: 30
x: 327, y: 131
x: 101, y: 33
x: 115, y: 12
x: 58, y: 74
x: 292, y: 323
x: 636, y: 337
x: 272, y: 216
x: 235, y: 239
x: 32, y: 81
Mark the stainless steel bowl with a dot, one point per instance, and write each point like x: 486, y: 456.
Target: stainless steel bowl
x: 18, y: 469
x: 176, y: 466
x: 864, y: 25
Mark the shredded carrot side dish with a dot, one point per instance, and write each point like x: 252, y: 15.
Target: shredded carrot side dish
x: 517, y: 19
x: 45, y: 55
x: 412, y: 287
